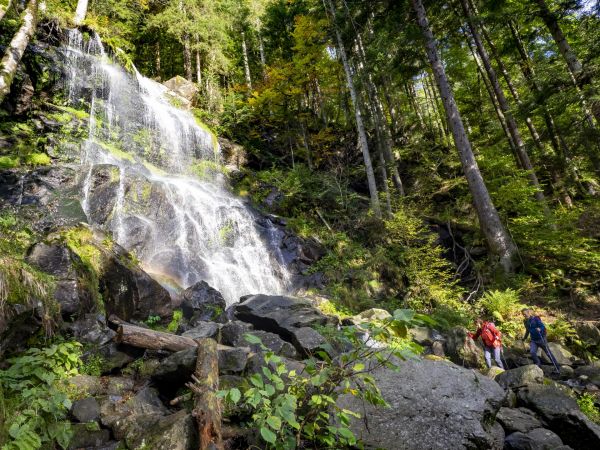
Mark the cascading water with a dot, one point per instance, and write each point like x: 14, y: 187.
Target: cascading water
x: 179, y: 226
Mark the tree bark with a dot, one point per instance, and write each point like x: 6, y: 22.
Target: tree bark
x: 207, y: 406
x: 246, y: 63
x: 187, y: 57
x: 523, y: 156
x: 3, y: 9
x: 16, y: 48
x: 151, y: 339
x: 362, y: 135
x: 157, y: 58
x: 198, y: 69
x: 499, y: 241
x: 80, y: 12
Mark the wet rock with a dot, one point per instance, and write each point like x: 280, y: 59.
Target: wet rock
x: 88, y: 436
x: 103, y: 191
x: 232, y: 333
x: 288, y: 317
x: 72, y: 292
x: 463, y: 350
x: 91, y: 329
x: 203, y: 330
x: 201, y: 302
x: 176, y: 369
x: 521, y: 376
x: 130, y: 293
x: 433, y: 402
x: 232, y: 360
x: 517, y: 419
x: 561, y: 413
x: 536, y: 439
x: 86, y: 410
x: 182, y: 87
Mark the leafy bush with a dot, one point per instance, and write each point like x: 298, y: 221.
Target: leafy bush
x: 587, y: 404
x: 505, y: 308
x: 290, y: 409
x: 35, y: 400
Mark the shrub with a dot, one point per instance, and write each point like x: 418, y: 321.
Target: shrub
x: 587, y: 404
x: 505, y: 308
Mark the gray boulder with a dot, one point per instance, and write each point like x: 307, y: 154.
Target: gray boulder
x: 462, y: 349
x: 561, y: 413
x: 102, y: 195
x: 232, y: 360
x: 203, y: 330
x: 201, y: 302
x: 536, y: 439
x: 515, y: 378
x: 588, y: 332
x: 563, y: 356
x: 86, y: 436
x: 591, y: 371
x: 86, y: 410
x: 289, y: 317
x: 232, y: 333
x: 517, y: 419
x: 433, y: 405
x: 91, y: 329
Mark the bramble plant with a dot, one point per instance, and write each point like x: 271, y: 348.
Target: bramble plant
x: 34, y: 390
x: 291, y: 409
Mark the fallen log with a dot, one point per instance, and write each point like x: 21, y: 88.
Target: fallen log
x: 207, y: 407
x: 151, y: 339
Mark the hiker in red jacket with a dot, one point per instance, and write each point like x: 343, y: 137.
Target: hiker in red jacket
x: 492, y: 341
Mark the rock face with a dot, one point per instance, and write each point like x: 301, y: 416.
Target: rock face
x: 130, y: 293
x: 562, y: 415
x: 515, y: 378
x: 72, y: 293
x: 433, y: 405
x: 182, y: 88
x: 517, y: 419
x: 201, y: 302
x: 102, y: 195
x: 462, y: 349
x: 289, y: 317
x: 537, y: 439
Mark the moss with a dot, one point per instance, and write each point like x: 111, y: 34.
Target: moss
x: 81, y: 241
x: 154, y: 169
x: 8, y: 162
x: 198, y: 116
x: 77, y: 113
x: 38, y: 159
x: 206, y: 169
x: 116, y: 151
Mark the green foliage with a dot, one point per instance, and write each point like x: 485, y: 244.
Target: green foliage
x: 93, y: 365
x: 504, y: 307
x: 38, y: 159
x: 8, y: 162
x: 175, y: 321
x: 153, y: 321
x: 587, y: 404
x: 35, y: 401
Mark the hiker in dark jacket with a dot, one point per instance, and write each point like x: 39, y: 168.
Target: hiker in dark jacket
x: 492, y: 341
x: 535, y: 328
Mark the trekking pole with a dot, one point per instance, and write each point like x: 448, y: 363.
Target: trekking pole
x: 503, y: 359
x: 550, y: 354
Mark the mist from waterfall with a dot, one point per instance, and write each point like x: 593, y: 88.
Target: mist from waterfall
x: 181, y: 227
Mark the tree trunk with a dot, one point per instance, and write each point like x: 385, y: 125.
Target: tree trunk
x: 263, y: 59
x: 80, y: 12
x: 16, y: 48
x: 500, y: 243
x: 157, y: 58
x: 4, y: 8
x: 246, y: 64
x: 362, y: 135
x: 207, y: 406
x: 151, y: 339
x: 187, y: 57
x: 198, y: 69
x: 523, y: 156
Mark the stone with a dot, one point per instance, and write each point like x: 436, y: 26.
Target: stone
x: 73, y: 296
x: 536, y: 439
x: 561, y: 414
x: 521, y: 376
x: 274, y: 343
x: 232, y: 333
x: 91, y: 329
x: 420, y: 335
x: 232, y: 360
x: 85, y: 410
x: 462, y: 349
x: 437, y: 349
x: 86, y: 384
x: 289, y: 317
x: 176, y: 369
x: 517, y: 419
x: 114, y: 409
x: 592, y: 372
x: 203, y: 330
x: 182, y: 87
x: 562, y: 355
x: 113, y: 356
x: 177, y: 431
x: 201, y: 302
x: 432, y: 402
x: 588, y: 332
x: 370, y: 315
x: 103, y: 191
x: 88, y: 436
x: 493, y: 372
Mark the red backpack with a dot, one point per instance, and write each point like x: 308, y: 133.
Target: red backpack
x: 490, y: 335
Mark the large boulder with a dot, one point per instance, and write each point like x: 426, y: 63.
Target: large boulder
x: 103, y: 192
x: 289, y: 317
x: 129, y: 292
x: 588, y: 332
x: 201, y: 302
x: 182, y: 88
x: 433, y: 405
x: 563, y: 356
x: 590, y: 373
x: 462, y: 349
x: 517, y: 419
x: 521, y: 376
x: 536, y: 439
x: 561, y: 413
x: 73, y: 290
x: 203, y: 330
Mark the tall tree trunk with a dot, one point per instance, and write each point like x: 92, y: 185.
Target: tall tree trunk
x: 4, y: 8
x: 187, y: 57
x: 16, y: 48
x: 80, y: 12
x: 384, y: 179
x: 523, y: 156
x: 362, y: 134
x: 246, y: 64
x: 157, y: 58
x: 263, y: 59
x: 198, y: 69
x: 499, y: 241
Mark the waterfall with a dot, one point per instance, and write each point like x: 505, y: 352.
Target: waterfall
x: 136, y: 165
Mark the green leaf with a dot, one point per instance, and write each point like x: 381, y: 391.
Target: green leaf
x: 257, y: 381
x: 250, y: 338
x: 268, y: 435
x: 234, y: 395
x: 274, y: 422
x: 358, y: 367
